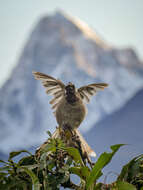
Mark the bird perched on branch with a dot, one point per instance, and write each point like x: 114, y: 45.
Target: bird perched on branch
x: 69, y: 104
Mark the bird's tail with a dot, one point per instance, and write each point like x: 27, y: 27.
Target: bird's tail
x: 84, y: 145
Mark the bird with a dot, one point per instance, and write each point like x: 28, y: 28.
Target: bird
x: 69, y: 105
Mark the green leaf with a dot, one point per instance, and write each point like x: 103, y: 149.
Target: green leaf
x: 74, y: 153
x: 16, y: 153
x: 30, y: 167
x: 35, y: 181
x: 51, y: 165
x: 102, y: 161
x: 75, y: 170
x: 3, y: 175
x: 49, y: 133
x: 85, y: 171
x: 4, y: 162
x: 5, y: 168
x: 27, y: 160
x: 98, y: 186
x: 82, y: 172
x: 116, y: 147
x: 69, y: 161
x: 49, y: 147
x: 132, y: 169
x: 13, y: 183
x: 121, y: 185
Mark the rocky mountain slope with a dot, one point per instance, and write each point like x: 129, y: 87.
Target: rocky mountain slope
x: 67, y: 49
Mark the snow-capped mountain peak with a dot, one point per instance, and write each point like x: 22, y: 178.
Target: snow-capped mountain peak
x: 67, y: 49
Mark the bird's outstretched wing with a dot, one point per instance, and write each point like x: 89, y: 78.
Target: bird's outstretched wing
x: 85, y: 92
x: 53, y: 87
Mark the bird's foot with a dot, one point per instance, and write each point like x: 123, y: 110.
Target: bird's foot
x: 67, y: 128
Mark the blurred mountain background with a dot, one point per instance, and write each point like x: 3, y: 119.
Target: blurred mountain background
x: 66, y: 48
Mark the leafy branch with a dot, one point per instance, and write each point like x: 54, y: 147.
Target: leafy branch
x: 54, y: 163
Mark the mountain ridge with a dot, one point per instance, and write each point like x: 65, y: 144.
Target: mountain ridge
x: 57, y: 47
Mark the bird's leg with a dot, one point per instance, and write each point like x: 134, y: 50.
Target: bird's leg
x: 72, y: 138
x: 66, y: 134
x: 67, y: 127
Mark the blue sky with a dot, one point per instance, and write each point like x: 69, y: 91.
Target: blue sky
x: 118, y: 22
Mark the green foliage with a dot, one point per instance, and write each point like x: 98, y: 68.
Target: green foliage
x: 133, y: 172
x: 103, y: 160
x: 53, y: 164
x: 121, y: 185
x: 75, y: 155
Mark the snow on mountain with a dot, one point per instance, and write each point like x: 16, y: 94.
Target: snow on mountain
x: 67, y: 49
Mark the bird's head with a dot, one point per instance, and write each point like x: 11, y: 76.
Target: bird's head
x: 70, y: 89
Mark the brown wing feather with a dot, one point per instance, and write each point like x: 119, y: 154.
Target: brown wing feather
x: 86, y: 92
x: 53, y: 87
